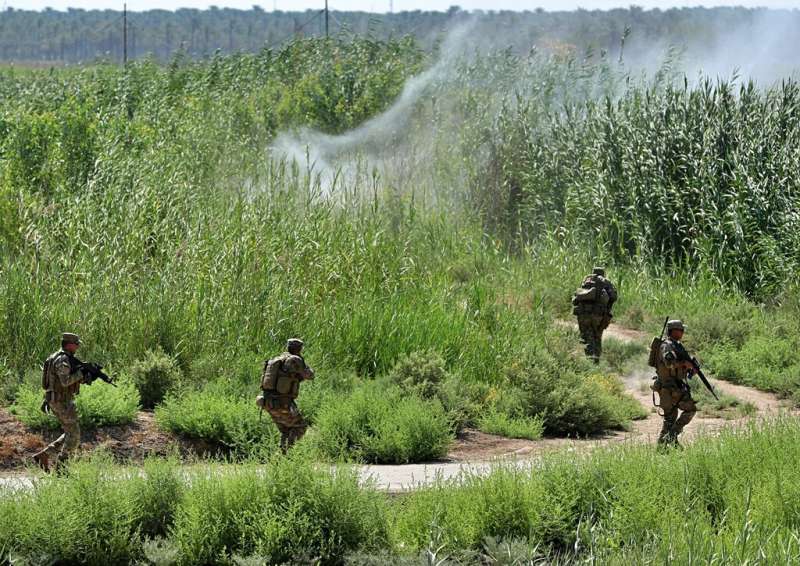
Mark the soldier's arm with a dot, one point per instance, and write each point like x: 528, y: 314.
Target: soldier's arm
x: 297, y: 366
x: 612, y: 293
x: 63, y: 370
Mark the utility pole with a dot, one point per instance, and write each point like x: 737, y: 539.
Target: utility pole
x: 326, y: 19
x: 125, y: 33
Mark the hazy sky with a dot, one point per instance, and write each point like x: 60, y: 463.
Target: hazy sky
x: 383, y: 5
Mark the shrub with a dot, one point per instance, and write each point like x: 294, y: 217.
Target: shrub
x: 91, y: 514
x: 568, y: 401
x: 233, y: 422
x: 377, y: 425
x: 154, y: 375
x: 10, y: 383
x: 291, y: 509
x: 419, y: 372
x: 494, y: 422
x: 461, y: 400
x: 96, y: 513
x: 98, y: 405
x: 621, y: 356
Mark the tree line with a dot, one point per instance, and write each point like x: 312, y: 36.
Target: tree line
x: 83, y: 36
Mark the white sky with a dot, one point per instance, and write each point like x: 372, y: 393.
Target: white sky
x: 383, y: 5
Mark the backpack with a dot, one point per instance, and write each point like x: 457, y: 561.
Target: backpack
x: 591, y: 291
x: 585, y: 295
x: 655, y: 351
x: 46, y: 372
x: 269, y: 377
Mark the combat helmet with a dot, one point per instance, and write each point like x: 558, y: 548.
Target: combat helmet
x: 675, y: 324
x: 599, y: 271
x: 294, y: 344
x: 70, y: 338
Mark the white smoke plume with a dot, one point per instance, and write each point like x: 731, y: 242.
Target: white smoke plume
x: 335, y: 156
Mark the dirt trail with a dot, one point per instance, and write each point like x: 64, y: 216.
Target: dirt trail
x: 637, y: 384
x: 473, y: 452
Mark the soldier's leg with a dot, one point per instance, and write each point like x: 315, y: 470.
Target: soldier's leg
x: 666, y: 401
x: 280, y: 416
x: 597, y: 331
x: 68, y: 415
x: 585, y: 329
x: 297, y: 424
x: 688, y: 410
x: 47, y: 458
x: 286, y: 437
x: 297, y: 431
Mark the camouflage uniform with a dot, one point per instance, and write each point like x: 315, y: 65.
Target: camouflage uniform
x: 594, y: 317
x: 61, y: 380
x: 673, y: 390
x: 279, y: 402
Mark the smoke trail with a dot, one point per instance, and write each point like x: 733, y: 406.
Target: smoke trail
x: 331, y: 155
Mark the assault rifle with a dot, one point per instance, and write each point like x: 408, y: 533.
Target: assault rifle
x: 699, y: 372
x: 93, y: 371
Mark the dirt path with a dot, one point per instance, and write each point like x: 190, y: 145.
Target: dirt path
x: 473, y: 452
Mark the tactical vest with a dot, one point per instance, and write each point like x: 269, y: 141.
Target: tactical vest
x: 55, y: 391
x: 279, y: 382
x: 665, y: 373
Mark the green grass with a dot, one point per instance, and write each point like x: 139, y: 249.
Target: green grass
x: 150, y: 197
x: 97, y: 405
x: 511, y: 427
x: 382, y: 425
x: 732, y: 498
x: 235, y: 423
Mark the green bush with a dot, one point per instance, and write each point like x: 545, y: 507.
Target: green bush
x: 494, y: 422
x: 462, y: 400
x: 232, y: 422
x: 98, y: 404
x: 291, y: 509
x: 568, y: 400
x: 94, y: 513
x: 379, y: 425
x: 419, y: 373
x: 623, y: 356
x: 737, y: 501
x: 154, y: 375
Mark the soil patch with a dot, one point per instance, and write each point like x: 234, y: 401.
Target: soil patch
x: 128, y: 443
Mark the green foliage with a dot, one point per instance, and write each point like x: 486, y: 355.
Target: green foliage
x: 419, y: 373
x: 732, y: 492
x: 95, y: 513
x: 294, y: 508
x: 548, y: 385
x: 91, y: 514
x: 233, y: 422
x: 154, y: 375
x: 379, y: 425
x: 512, y: 427
x: 97, y: 405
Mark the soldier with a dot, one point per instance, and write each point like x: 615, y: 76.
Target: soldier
x: 592, y: 306
x: 61, y: 379
x: 673, y: 368
x: 280, y: 384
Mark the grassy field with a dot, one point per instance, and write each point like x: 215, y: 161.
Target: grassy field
x: 427, y: 260
x: 725, y: 500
